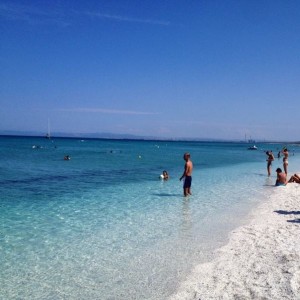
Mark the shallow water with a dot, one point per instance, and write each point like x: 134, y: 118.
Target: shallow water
x: 103, y: 226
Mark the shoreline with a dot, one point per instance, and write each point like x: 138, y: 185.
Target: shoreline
x: 261, y: 259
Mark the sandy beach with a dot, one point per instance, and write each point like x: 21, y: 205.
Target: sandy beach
x: 261, y: 259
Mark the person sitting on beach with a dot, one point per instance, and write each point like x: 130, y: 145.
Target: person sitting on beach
x: 281, y: 178
x: 164, y: 175
x: 269, y: 160
x: 295, y: 178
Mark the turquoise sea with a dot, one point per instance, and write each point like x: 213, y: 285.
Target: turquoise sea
x: 104, y: 226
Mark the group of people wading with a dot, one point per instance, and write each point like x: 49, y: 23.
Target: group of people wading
x: 285, y: 161
x: 281, y: 176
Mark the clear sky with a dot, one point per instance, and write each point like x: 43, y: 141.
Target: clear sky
x: 166, y: 68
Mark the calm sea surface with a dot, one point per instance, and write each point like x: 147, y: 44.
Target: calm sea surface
x: 104, y: 226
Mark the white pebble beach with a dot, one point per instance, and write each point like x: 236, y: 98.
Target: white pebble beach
x: 261, y: 259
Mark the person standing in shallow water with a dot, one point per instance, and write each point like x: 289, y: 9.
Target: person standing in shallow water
x: 187, y: 174
x: 269, y: 160
x: 285, y: 159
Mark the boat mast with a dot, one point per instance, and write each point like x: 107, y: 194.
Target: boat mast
x: 48, y: 136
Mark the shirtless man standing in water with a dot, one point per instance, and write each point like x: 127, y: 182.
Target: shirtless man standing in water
x: 187, y: 174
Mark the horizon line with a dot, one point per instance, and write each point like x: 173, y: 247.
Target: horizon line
x: 120, y: 136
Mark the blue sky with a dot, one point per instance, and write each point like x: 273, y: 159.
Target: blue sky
x: 173, y: 69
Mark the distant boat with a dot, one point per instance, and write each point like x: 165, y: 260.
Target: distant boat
x: 48, y: 135
x: 252, y: 148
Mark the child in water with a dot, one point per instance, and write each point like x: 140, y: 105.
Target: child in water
x: 164, y: 175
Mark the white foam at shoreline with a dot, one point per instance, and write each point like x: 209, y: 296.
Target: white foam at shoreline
x: 261, y: 260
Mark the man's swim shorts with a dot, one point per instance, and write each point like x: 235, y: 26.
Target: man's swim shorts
x: 187, y: 182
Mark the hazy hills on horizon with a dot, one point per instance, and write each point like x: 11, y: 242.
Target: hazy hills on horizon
x: 106, y: 135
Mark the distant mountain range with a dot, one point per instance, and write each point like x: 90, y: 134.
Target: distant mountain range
x: 107, y: 135
x: 103, y: 135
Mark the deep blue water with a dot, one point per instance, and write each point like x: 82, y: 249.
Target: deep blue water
x: 103, y: 226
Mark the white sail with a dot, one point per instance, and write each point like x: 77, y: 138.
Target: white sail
x: 48, y: 135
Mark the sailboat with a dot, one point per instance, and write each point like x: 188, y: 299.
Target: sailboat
x: 48, y: 136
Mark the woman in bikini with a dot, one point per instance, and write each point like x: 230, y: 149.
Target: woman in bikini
x: 269, y: 160
x: 285, y: 159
